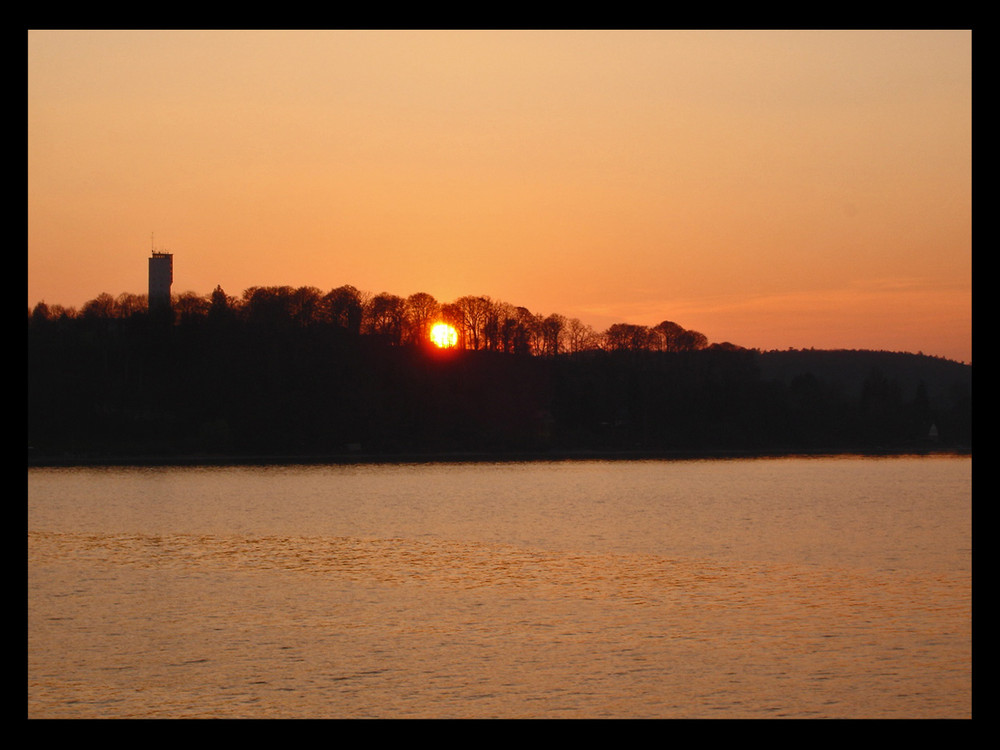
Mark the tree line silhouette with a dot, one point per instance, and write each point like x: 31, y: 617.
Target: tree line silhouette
x: 482, y: 323
x: 287, y: 371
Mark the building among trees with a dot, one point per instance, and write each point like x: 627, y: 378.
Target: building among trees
x: 161, y: 276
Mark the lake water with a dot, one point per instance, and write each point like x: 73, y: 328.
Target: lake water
x: 761, y: 588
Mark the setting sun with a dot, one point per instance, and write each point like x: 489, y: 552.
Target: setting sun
x: 444, y: 335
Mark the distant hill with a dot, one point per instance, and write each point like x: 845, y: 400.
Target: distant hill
x: 848, y: 369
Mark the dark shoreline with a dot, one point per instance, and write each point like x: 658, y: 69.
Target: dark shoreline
x: 475, y: 457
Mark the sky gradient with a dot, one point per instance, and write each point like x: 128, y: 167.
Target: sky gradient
x: 771, y: 189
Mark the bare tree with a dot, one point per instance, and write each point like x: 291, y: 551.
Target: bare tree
x: 667, y: 332
x: 452, y: 314
x: 552, y: 334
x: 474, y: 312
x: 268, y: 305
x: 690, y: 341
x: 500, y: 327
x: 385, y: 314
x: 190, y: 306
x: 421, y: 312
x: 581, y: 337
x: 128, y: 304
x: 525, y: 333
x: 44, y: 312
x: 496, y: 312
x: 628, y: 337
x: 344, y: 307
x: 305, y: 305
x: 102, y: 306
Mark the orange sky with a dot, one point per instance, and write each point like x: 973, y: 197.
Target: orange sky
x: 771, y: 189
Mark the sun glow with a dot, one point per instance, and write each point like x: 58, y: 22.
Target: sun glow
x: 444, y: 335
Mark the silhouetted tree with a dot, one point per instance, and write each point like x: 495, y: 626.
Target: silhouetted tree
x: 628, y: 337
x: 40, y: 314
x: 526, y: 331
x: 501, y: 327
x: 128, y: 304
x: 345, y: 308
x: 552, y: 336
x: 306, y: 305
x: 221, y: 307
x: 493, y: 326
x: 190, y: 307
x: 475, y: 312
x: 385, y: 315
x: 268, y: 306
x: 421, y: 312
x: 581, y: 337
x: 452, y: 314
x: 668, y: 333
x: 101, y: 307
x: 690, y: 341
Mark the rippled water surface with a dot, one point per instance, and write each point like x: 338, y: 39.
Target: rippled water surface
x: 800, y: 587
